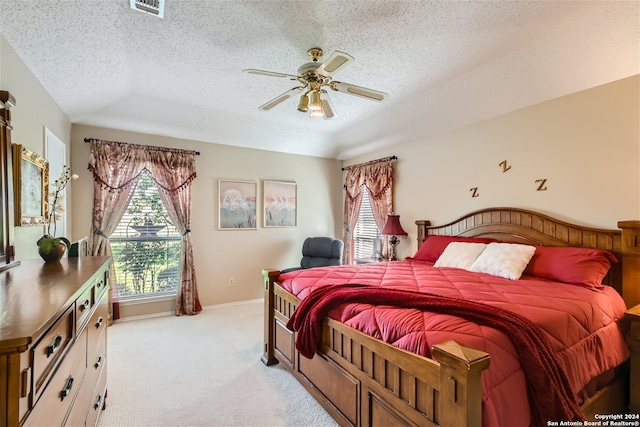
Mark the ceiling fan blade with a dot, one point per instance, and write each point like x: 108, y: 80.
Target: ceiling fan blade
x: 360, y: 91
x: 334, y: 63
x: 327, y: 106
x: 277, y: 100
x: 269, y: 73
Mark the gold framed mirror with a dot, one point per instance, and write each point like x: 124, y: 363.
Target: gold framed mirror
x: 31, y: 187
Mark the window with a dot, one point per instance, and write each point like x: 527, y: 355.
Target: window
x: 366, y: 236
x: 146, y: 245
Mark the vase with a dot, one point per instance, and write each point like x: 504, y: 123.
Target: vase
x: 55, y: 254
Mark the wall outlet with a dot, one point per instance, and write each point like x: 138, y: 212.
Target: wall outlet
x: 232, y: 281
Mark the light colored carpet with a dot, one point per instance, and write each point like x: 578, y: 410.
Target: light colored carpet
x: 202, y: 370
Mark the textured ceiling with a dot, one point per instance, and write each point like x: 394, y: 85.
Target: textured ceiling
x: 444, y: 64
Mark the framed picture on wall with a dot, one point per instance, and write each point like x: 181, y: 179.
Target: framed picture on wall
x: 237, y: 204
x: 280, y: 201
x: 30, y: 187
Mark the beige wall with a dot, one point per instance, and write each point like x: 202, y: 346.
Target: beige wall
x: 34, y: 110
x: 587, y: 146
x: 240, y: 254
x: 218, y: 254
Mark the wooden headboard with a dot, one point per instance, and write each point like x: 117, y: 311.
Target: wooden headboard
x: 523, y: 226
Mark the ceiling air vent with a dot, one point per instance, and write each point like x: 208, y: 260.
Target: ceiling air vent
x: 152, y: 7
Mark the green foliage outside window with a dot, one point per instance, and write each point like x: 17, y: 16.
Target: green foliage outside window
x: 146, y: 265
x: 146, y: 202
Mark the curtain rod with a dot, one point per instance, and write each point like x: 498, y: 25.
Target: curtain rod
x: 371, y: 162
x: 87, y: 140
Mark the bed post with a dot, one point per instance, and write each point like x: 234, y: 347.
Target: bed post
x: 268, y: 357
x: 630, y: 262
x: 460, y: 383
x: 631, y: 295
x: 422, y: 230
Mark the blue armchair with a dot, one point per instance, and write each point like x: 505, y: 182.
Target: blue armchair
x: 319, y: 252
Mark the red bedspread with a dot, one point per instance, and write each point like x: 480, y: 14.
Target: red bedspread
x: 583, y: 326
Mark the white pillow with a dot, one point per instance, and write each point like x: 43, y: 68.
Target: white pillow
x: 506, y: 260
x: 460, y: 255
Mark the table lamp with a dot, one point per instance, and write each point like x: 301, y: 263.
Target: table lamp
x: 394, y: 229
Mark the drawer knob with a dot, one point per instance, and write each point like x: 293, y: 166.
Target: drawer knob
x: 98, y: 362
x: 85, y: 305
x: 99, y: 322
x: 98, y: 402
x: 54, y: 346
x: 66, y: 391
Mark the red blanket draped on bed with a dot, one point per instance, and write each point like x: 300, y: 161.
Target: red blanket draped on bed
x: 548, y: 388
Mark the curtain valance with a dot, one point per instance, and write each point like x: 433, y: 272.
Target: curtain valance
x: 116, y: 165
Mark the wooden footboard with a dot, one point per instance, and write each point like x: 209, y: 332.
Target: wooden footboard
x: 362, y: 381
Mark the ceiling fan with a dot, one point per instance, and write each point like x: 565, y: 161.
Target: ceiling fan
x: 316, y: 77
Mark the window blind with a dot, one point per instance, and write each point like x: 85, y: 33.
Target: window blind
x: 366, y: 236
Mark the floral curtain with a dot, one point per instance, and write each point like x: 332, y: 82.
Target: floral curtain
x: 116, y: 168
x: 377, y: 176
x: 173, y: 172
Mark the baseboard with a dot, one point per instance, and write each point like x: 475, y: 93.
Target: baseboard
x: 144, y: 316
x: 229, y: 304
x: 172, y: 313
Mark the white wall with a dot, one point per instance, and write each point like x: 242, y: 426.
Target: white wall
x: 587, y: 146
x: 34, y: 110
x: 240, y: 254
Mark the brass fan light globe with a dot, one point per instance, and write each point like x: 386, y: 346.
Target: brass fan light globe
x: 303, y: 104
x: 315, y: 105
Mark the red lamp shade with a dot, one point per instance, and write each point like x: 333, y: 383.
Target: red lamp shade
x: 393, y: 227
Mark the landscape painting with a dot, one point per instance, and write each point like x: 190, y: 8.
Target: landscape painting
x: 237, y: 204
x: 280, y: 204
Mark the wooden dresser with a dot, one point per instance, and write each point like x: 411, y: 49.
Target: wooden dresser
x: 53, y: 342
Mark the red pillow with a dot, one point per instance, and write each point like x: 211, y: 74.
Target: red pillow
x: 578, y: 266
x: 433, y: 246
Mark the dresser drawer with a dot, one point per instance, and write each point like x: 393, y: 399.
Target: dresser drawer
x: 60, y: 392
x: 97, y: 357
x: 83, y: 407
x: 50, y: 348
x: 100, y: 287
x: 78, y: 413
x: 83, y: 308
x: 97, y: 326
x: 97, y: 402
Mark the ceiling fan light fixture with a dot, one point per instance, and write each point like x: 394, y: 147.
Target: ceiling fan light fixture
x: 304, y: 103
x: 316, y: 77
x: 315, y: 105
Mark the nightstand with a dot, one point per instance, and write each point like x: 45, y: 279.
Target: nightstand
x: 633, y: 314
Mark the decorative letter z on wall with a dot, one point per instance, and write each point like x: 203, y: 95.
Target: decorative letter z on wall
x: 541, y: 184
x: 504, y: 166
